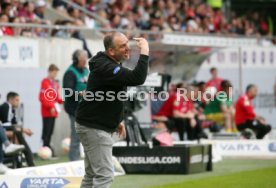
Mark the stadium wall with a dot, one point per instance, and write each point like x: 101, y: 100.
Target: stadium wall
x: 23, y: 64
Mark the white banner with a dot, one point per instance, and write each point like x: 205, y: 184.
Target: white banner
x: 213, y: 41
x: 238, y: 148
x: 19, y: 52
x: 60, y: 175
x: 67, y: 169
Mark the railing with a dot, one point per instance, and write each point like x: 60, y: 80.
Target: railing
x: 149, y: 34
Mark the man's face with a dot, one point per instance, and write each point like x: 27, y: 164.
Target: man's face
x: 202, y: 88
x: 82, y: 60
x: 30, y: 7
x: 253, y: 92
x: 4, y: 18
x: 15, y: 102
x: 53, y: 74
x: 41, y: 9
x: 214, y: 73
x: 120, y: 51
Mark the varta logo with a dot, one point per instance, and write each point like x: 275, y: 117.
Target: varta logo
x: 50, y: 182
x: 239, y: 147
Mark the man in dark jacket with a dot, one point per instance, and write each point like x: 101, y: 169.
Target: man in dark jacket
x: 99, y: 116
x: 8, y: 118
x: 74, y: 82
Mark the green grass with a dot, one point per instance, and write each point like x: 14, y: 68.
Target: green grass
x: 221, y: 169
x: 264, y: 178
x: 61, y: 159
x: 229, y: 173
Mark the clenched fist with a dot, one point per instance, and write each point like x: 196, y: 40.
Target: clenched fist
x: 143, y: 45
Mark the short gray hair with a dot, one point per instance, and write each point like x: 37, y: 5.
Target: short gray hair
x: 76, y: 55
x: 108, y: 40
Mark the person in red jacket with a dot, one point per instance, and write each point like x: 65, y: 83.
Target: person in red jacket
x: 215, y: 81
x: 245, y: 116
x: 50, y: 100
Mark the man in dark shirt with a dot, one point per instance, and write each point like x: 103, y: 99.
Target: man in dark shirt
x: 100, y: 116
x: 8, y: 117
x: 74, y: 82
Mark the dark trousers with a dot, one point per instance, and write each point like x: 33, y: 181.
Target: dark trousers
x: 47, y: 131
x: 21, y: 140
x: 74, y: 152
x: 183, y: 124
x: 260, y: 129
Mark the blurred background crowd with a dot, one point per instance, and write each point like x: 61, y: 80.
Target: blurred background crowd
x: 186, y: 16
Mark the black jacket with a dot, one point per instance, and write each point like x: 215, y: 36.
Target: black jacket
x: 108, y: 76
x: 4, y: 113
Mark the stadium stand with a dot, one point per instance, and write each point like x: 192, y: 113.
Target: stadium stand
x: 164, y: 15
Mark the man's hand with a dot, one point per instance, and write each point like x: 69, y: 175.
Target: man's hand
x: 121, y: 130
x: 53, y: 111
x: 143, y: 45
x: 190, y: 115
x: 28, y: 131
x: 192, y: 122
x: 261, y: 120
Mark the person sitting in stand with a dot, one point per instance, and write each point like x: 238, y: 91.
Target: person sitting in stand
x: 8, y: 118
x: 245, y: 116
x: 186, y: 116
x: 221, y: 109
x: 180, y: 114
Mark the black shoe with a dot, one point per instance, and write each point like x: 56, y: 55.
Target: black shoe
x: 202, y: 135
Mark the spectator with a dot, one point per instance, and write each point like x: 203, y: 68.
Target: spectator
x: 26, y: 33
x: 6, y: 8
x: 96, y: 5
x: 49, y: 108
x: 221, y: 109
x: 5, y: 30
x: 115, y: 21
x: 186, y: 116
x: 179, y: 113
x: 15, y: 31
x: 215, y: 81
x: 77, y: 35
x: 8, y: 117
x: 165, y: 113
x: 10, y: 148
x: 40, y: 9
x: 75, y: 79
x: 28, y: 12
x: 59, y: 5
x: 74, y: 13
x: 62, y: 33
x: 246, y: 117
x: 169, y: 15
